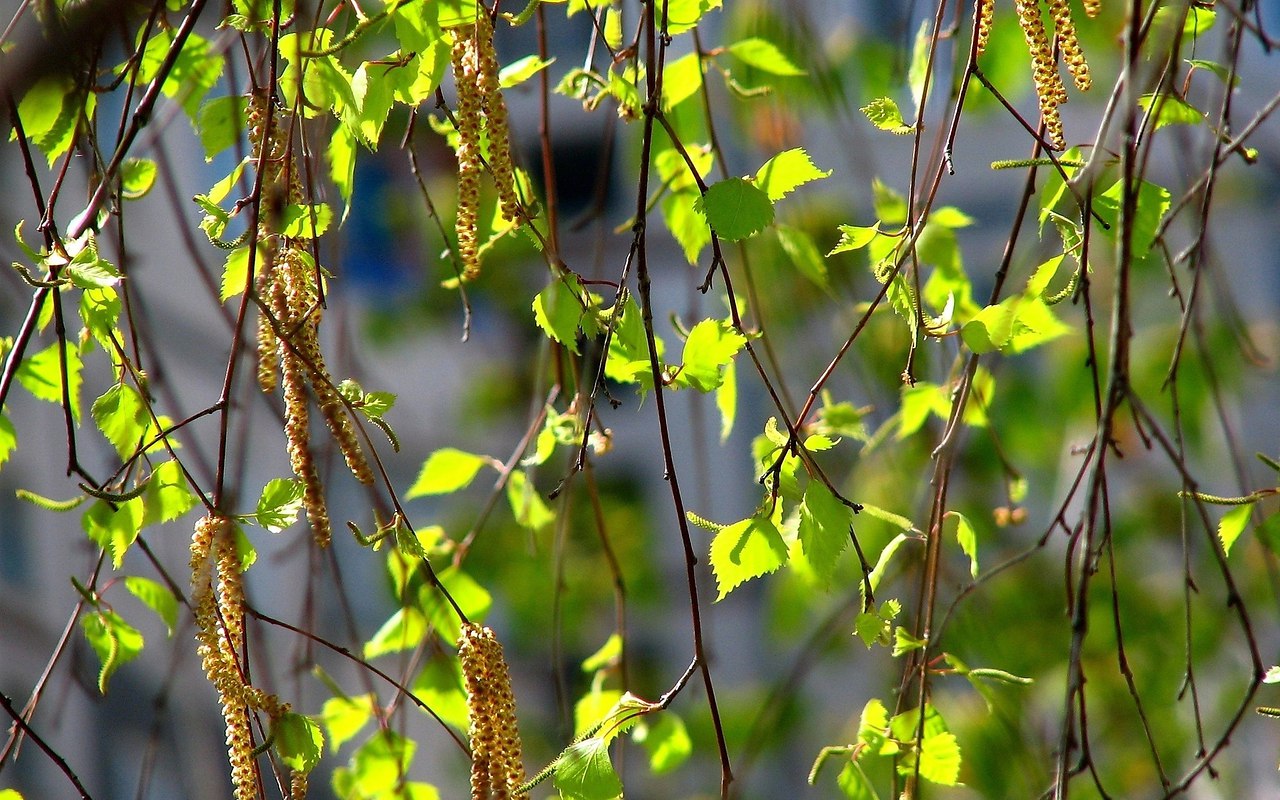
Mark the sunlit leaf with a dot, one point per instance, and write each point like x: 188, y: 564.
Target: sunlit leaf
x: 584, y: 772
x: 666, y: 739
x: 735, y: 208
x: 709, y: 348
x: 298, y: 740
x: 1232, y: 524
x: 765, y: 56
x: 343, y: 717
x: 853, y: 237
x: 114, y: 529
x: 167, y: 496
x: 521, y: 70
x: 439, y: 685
x: 279, y: 504
x: 745, y: 550
x: 803, y: 254
x: 687, y: 225
x: 558, y: 310
x: 122, y: 417
x: 884, y: 114
x: 446, y: 470
x: 41, y: 374
x: 115, y: 641
x: 156, y: 597
x: 824, y: 528
x: 1170, y: 110
x: 8, y: 439
x: 786, y: 171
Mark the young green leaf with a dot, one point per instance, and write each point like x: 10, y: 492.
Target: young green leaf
x: 167, y: 496
x: 279, y: 504
x: 41, y: 374
x: 1232, y: 524
x: 735, y: 208
x: 404, y: 630
x: 855, y: 238
x: 688, y: 227
x: 967, y: 539
x: 824, y: 528
x: 884, y: 114
x: 521, y: 70
x: 114, y: 529
x: 1169, y: 109
x: 156, y: 597
x: 446, y: 470
x: 558, y: 310
x: 606, y: 656
x: 666, y: 740
x: 765, y: 56
x: 992, y: 327
x: 137, y: 176
x: 115, y: 641
x: 440, y: 687
x: 745, y: 550
x: 803, y: 254
x: 122, y: 417
x: 343, y: 717
x: 220, y: 123
x: 584, y: 772
x: 786, y: 171
x: 8, y: 439
x: 526, y: 504
x: 727, y: 400
x: 681, y: 79
x: 298, y: 741
x: 709, y: 348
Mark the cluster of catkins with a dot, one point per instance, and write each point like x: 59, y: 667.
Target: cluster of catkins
x: 480, y: 109
x: 496, y: 768
x: 217, y: 597
x: 1048, y: 80
x: 288, y: 328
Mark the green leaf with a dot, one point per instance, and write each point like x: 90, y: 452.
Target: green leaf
x: 824, y: 528
x: 992, y: 327
x: 787, y: 170
x: 115, y: 641
x: 439, y: 685
x: 404, y: 630
x: 904, y: 642
x: 584, y: 772
x: 167, y: 496
x: 195, y: 71
x: 298, y: 222
x: 855, y: 238
x: 156, y: 597
x: 803, y: 254
x: 606, y: 656
x: 558, y: 310
x: 968, y: 540
x: 41, y: 374
x: 1232, y: 525
x: 8, y: 439
x: 683, y: 15
x: 88, y: 270
x: 49, y: 111
x: 727, y: 400
x: 235, y: 271
x: 709, y: 348
x: 220, y: 124
x: 137, y: 176
x: 521, y: 70
x: 1151, y: 203
x: 446, y: 470
x: 100, y: 312
x: 279, y: 504
x: 854, y: 783
x: 688, y: 227
x: 526, y: 503
x: 122, y: 417
x: 896, y: 520
x: 114, y: 529
x: 666, y: 740
x: 765, y: 56
x: 681, y: 79
x: 1170, y: 110
x: 474, y: 600
x: 298, y: 741
x: 379, y: 766
x: 735, y: 208
x: 876, y: 627
x: 884, y: 114
x: 343, y: 717
x: 746, y: 550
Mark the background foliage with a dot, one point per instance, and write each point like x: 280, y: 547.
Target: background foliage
x: 817, y: 425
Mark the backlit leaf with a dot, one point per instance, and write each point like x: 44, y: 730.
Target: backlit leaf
x: 803, y: 254
x: 853, y: 237
x: 765, y: 56
x: 446, y: 470
x: 824, y: 528
x: 884, y: 114
x: 787, y: 170
x: 156, y: 597
x: 1232, y: 524
x: 343, y: 717
x: 666, y: 739
x: 115, y: 641
x: 8, y: 439
x: 558, y: 309
x: 114, y: 529
x: 41, y: 374
x: 584, y: 772
x: 521, y: 70
x: 746, y: 550
x: 298, y: 740
x: 735, y: 208
x: 709, y: 348
x: 122, y: 417
x: 167, y: 496
x: 279, y: 504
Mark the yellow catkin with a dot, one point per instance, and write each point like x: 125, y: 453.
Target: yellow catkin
x: 300, y: 287
x: 497, y: 769
x: 1092, y: 7
x: 495, y: 117
x: 1048, y: 82
x: 468, y: 114
x: 986, y: 12
x: 1065, y: 29
x: 297, y: 785
x: 217, y: 634
x: 296, y: 419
